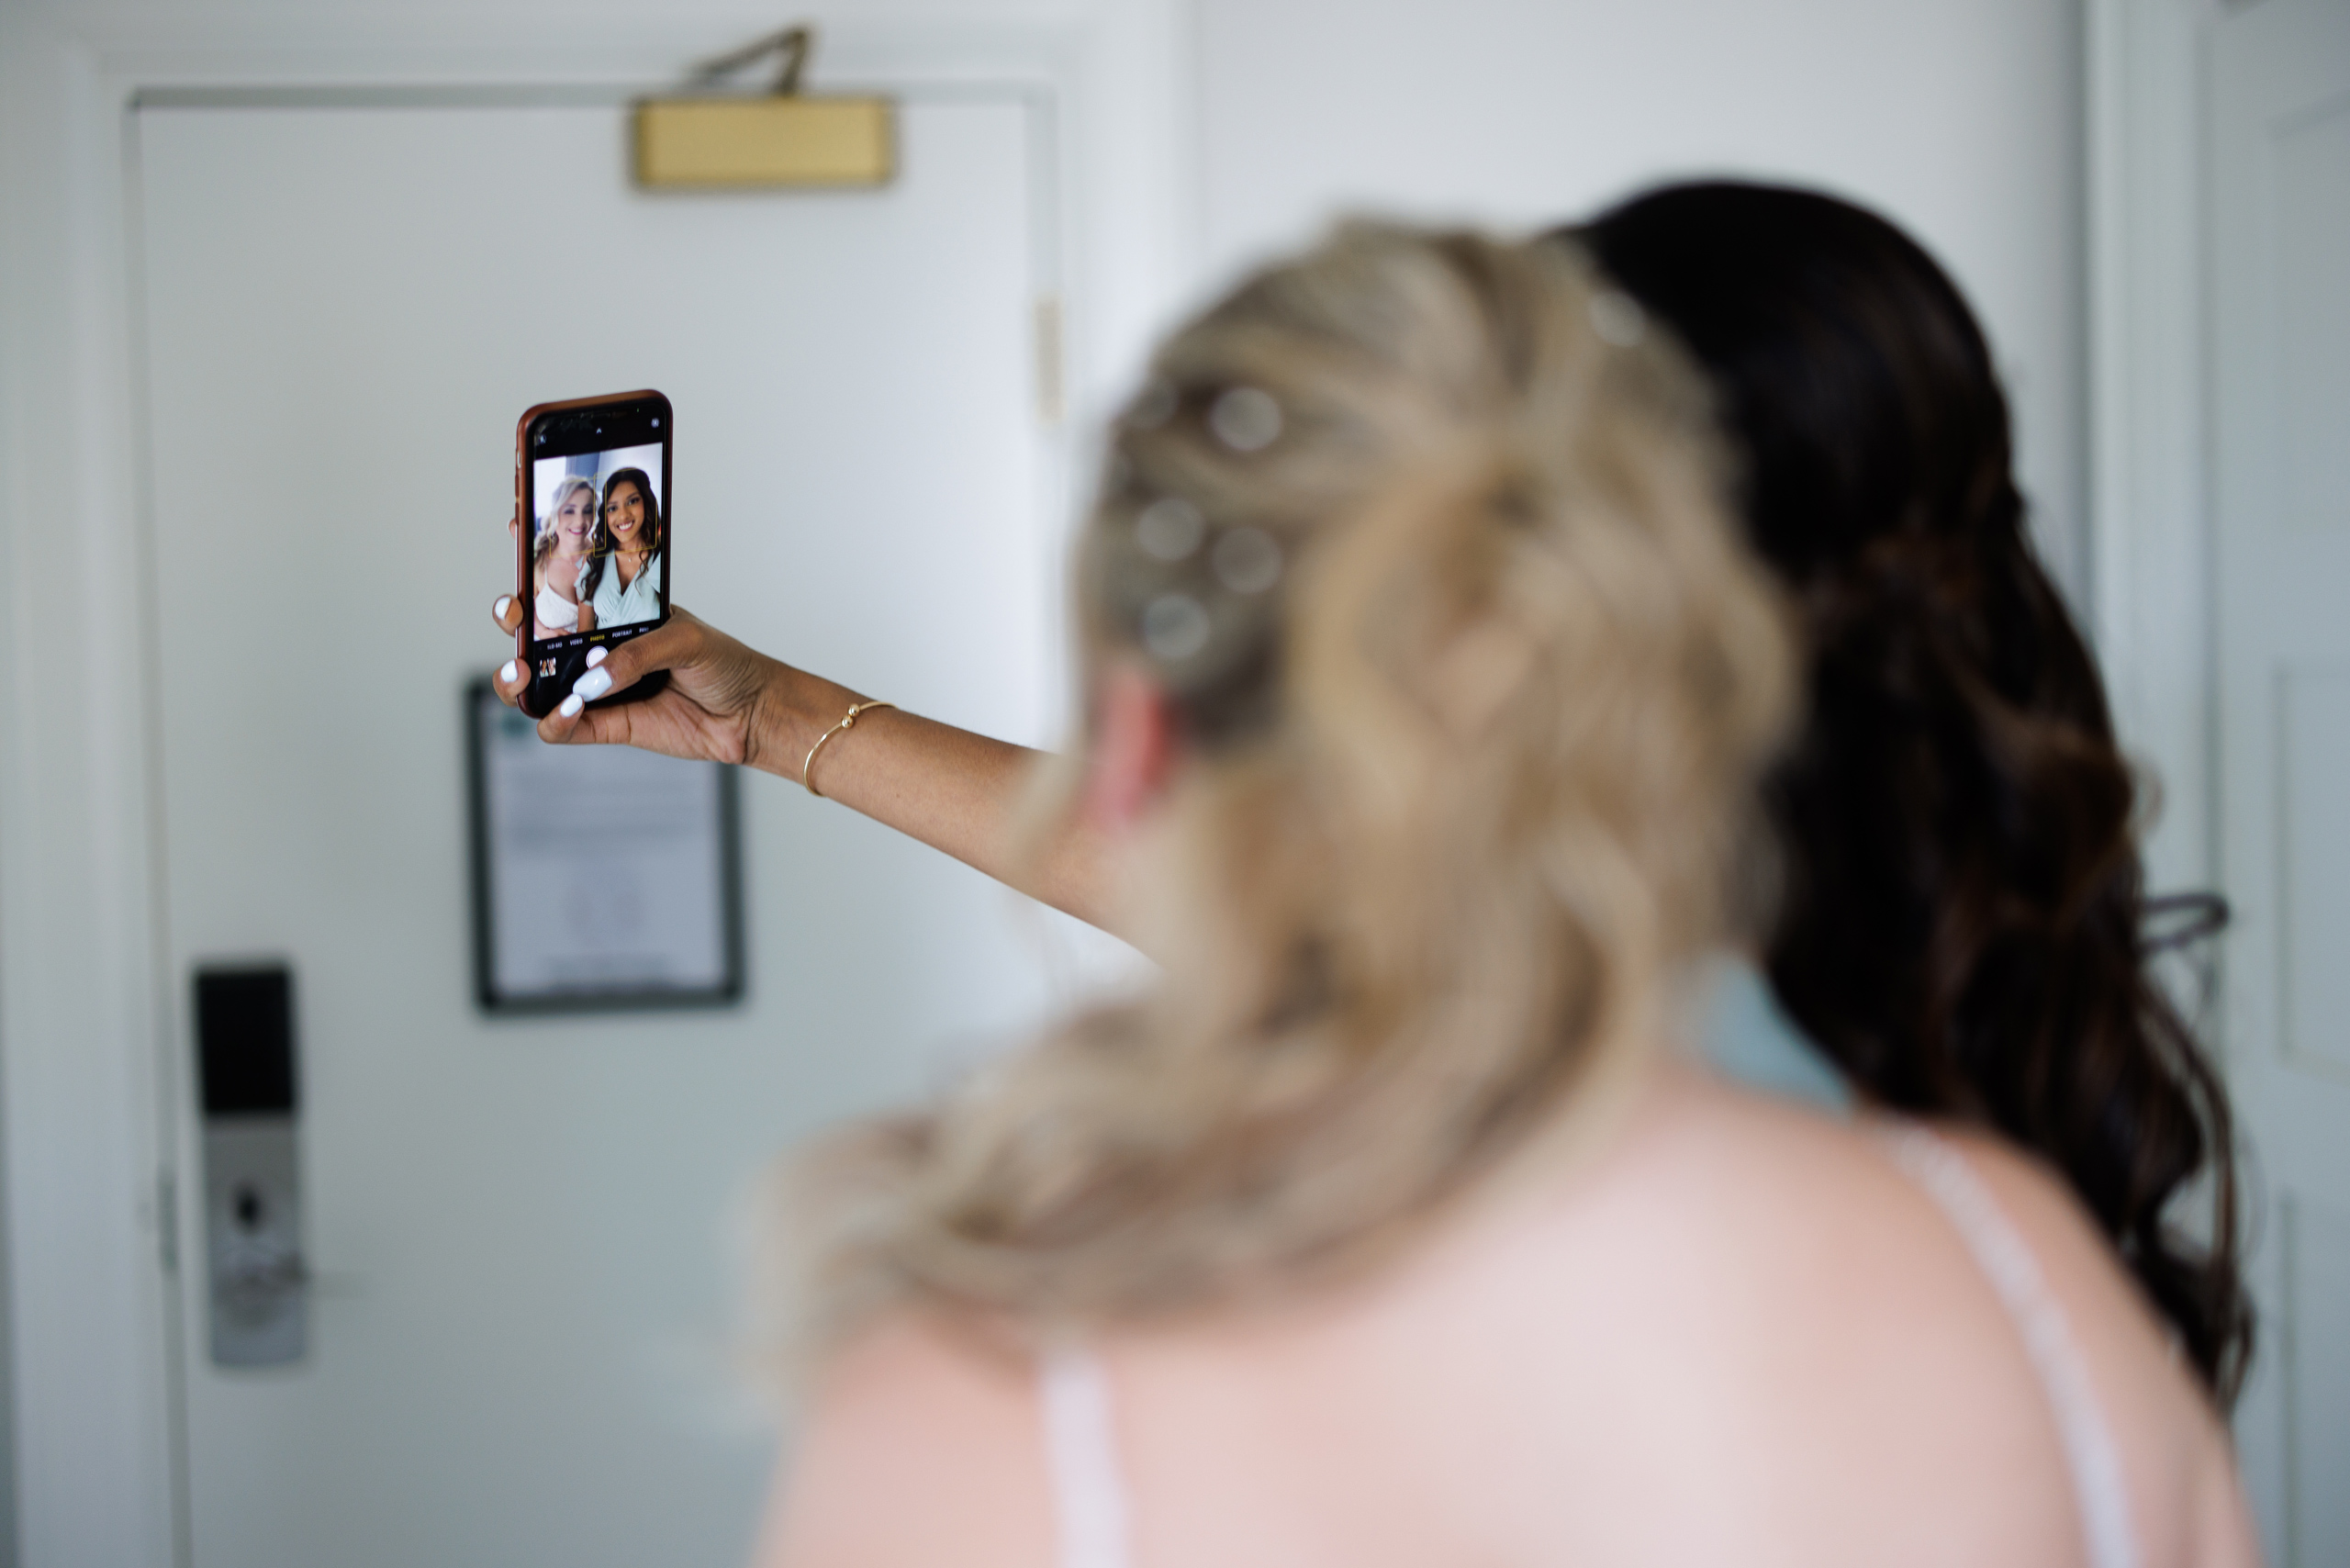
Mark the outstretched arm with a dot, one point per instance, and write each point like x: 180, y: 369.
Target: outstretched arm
x: 952, y: 789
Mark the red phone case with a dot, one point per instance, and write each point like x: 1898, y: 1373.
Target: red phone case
x: 530, y: 700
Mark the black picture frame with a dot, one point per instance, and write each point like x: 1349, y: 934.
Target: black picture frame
x: 731, y: 986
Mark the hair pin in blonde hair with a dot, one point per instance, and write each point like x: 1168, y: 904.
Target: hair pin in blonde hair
x: 1246, y: 419
x: 1175, y: 628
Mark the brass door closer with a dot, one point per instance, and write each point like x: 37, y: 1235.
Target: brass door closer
x: 781, y: 139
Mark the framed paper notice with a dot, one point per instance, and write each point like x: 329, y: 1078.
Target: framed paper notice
x: 603, y: 876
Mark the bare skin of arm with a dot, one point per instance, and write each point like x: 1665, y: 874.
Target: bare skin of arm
x: 953, y: 790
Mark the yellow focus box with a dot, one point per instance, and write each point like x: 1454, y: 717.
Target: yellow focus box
x: 750, y: 143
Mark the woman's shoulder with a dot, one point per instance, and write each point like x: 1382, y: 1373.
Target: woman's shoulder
x: 918, y: 1443
x: 1813, y: 1266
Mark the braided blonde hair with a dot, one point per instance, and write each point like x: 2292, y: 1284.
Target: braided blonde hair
x: 1422, y: 535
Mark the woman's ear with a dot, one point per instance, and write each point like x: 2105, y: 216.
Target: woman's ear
x: 1134, y: 750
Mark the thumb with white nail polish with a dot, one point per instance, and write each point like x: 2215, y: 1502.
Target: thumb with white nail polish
x: 592, y: 685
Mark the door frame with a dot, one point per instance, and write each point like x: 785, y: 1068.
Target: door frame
x: 2150, y: 541
x: 2152, y: 511
x: 92, y: 1092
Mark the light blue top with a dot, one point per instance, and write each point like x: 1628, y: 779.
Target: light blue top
x: 1749, y: 1041
x: 618, y: 606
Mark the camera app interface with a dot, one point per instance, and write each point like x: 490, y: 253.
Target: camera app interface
x: 599, y: 541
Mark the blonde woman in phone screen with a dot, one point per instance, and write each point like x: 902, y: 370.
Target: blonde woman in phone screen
x: 559, y: 557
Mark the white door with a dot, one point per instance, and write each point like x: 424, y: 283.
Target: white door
x: 525, y: 1308
x: 2280, y: 164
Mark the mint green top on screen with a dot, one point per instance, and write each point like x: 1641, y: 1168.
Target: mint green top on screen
x: 618, y: 606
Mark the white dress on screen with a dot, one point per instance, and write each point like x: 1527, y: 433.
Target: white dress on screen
x: 555, y: 613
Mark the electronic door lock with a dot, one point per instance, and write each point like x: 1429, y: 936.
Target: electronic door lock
x: 254, y: 1281
x: 259, y: 1263
x: 258, y: 1282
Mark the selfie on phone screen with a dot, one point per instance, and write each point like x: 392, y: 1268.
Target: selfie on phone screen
x: 596, y: 561
x: 595, y: 491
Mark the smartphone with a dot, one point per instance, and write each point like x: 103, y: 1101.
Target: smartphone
x: 593, y: 545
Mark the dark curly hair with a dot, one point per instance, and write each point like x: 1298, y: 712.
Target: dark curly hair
x: 1962, y: 923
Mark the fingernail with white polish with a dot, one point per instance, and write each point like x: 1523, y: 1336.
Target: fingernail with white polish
x: 571, y: 705
x: 500, y: 607
x: 597, y: 656
x: 592, y: 685
x: 513, y: 667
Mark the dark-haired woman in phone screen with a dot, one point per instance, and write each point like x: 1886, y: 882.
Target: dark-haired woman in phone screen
x: 1962, y: 888
x: 622, y: 582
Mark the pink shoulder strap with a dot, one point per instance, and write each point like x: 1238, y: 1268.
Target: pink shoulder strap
x: 1082, y: 1456
x: 1943, y: 1173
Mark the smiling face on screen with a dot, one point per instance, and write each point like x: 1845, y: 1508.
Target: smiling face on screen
x: 574, y: 517
x: 624, y: 514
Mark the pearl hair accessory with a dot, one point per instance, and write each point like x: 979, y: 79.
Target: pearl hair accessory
x: 1175, y: 627
x: 1190, y: 606
x: 1246, y: 419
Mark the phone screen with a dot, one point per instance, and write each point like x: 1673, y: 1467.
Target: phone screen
x: 596, y: 485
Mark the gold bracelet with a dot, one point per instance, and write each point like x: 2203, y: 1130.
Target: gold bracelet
x: 847, y: 724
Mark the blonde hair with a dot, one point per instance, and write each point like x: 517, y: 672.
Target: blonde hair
x: 544, y: 544
x: 1423, y: 535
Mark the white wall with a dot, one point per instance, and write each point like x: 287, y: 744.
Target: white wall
x: 1959, y: 119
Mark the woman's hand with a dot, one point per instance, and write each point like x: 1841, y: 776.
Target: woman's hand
x: 709, y: 712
